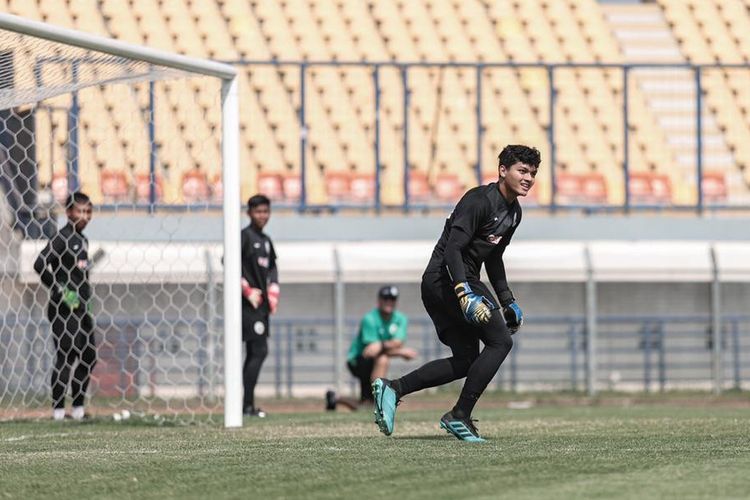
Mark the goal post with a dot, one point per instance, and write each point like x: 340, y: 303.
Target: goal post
x: 107, y: 62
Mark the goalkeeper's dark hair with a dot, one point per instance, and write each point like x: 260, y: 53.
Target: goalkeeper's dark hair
x: 514, y: 153
x: 77, y: 197
x: 258, y: 200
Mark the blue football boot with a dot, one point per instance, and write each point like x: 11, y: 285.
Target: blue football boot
x: 463, y: 428
x: 386, y: 401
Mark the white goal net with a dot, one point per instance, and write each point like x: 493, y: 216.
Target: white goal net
x: 146, y: 135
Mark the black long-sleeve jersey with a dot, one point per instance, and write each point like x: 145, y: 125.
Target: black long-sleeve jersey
x: 64, y: 262
x: 258, y: 262
x: 477, y: 232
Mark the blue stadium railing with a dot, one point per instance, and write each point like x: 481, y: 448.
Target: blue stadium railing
x: 404, y: 68
x: 644, y: 352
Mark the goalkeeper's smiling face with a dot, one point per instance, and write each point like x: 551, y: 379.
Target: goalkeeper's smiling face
x: 259, y: 215
x: 518, y: 178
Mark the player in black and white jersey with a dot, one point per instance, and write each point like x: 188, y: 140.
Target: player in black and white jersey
x: 462, y: 308
x: 260, y: 291
x: 63, y: 267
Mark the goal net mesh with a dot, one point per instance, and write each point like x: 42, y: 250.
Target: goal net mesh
x: 144, y: 143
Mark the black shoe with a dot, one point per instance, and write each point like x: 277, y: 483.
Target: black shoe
x: 85, y: 418
x: 254, y: 412
x: 330, y: 400
x: 462, y: 428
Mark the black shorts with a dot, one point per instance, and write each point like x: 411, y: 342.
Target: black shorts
x: 361, y: 367
x: 72, y: 331
x: 254, y: 324
x: 453, y: 330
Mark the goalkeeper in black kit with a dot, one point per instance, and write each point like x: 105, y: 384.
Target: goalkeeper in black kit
x: 63, y: 267
x: 260, y: 292
x: 462, y: 308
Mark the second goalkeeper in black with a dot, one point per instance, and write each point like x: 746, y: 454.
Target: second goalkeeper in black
x: 260, y: 292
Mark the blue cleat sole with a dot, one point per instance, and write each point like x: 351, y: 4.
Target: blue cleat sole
x: 385, y: 410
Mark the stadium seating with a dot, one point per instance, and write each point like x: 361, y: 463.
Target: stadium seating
x: 339, y: 105
x: 712, y: 32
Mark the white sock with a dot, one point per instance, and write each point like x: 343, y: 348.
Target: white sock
x: 77, y: 413
x: 58, y: 414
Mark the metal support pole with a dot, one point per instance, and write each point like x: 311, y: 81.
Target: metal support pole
x: 591, y: 325
x: 289, y: 361
x: 152, y: 146
x: 302, y: 141
x: 376, y: 83
x: 717, y: 363
x: 338, y: 315
x: 646, y: 338
x: 480, y: 130
x: 277, y: 369
x: 514, y: 366
x: 699, y: 137
x: 405, y: 86
x: 232, y: 307
x: 662, y: 358
x: 210, y: 325
x: 573, y: 335
x: 551, y: 137
x: 73, y: 119
x: 736, y: 354
x: 625, y: 138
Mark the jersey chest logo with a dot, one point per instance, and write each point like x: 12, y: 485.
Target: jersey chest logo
x: 494, y: 239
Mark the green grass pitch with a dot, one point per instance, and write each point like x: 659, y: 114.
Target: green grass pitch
x: 666, y: 450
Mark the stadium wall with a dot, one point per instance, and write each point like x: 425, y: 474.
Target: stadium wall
x: 654, y: 312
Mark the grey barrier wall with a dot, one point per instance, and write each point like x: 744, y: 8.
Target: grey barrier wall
x: 646, y: 316
x: 650, y: 337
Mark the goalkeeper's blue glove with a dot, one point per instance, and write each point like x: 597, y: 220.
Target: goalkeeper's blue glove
x: 513, y: 317
x: 476, y: 308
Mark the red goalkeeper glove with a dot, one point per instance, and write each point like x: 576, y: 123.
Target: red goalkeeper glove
x: 252, y: 295
x: 274, y: 292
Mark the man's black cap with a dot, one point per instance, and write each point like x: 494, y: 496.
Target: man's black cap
x: 388, y: 292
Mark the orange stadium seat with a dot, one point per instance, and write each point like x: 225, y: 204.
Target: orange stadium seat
x: 271, y: 185
x: 661, y: 188
x: 594, y: 188
x: 639, y: 184
x: 338, y: 185
x: 292, y: 187
x: 569, y: 188
x: 419, y: 187
x: 649, y: 188
x: 114, y: 186
x: 217, y: 189
x: 195, y: 187
x: 714, y: 187
x: 585, y: 189
x: 362, y: 187
x: 448, y: 187
x: 143, y: 187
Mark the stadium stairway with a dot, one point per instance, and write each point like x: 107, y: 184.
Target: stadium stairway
x: 644, y: 34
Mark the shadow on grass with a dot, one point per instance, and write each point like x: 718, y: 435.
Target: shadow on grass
x: 421, y: 438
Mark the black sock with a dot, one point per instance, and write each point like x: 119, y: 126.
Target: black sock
x: 432, y: 374
x: 465, y: 405
x: 396, y: 386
